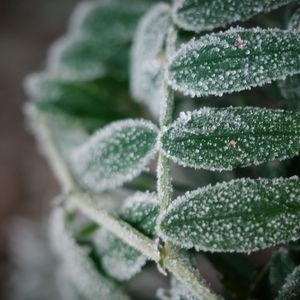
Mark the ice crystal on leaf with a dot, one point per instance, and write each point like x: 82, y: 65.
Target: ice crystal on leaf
x: 114, y: 154
x: 201, y: 15
x: 243, y: 215
x: 234, y: 60
x: 120, y: 260
x: 147, y: 57
x: 76, y: 269
x: 225, y: 138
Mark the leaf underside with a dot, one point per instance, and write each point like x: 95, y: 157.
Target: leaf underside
x: 226, y: 138
x: 243, y: 215
x: 291, y: 288
x: 234, y: 60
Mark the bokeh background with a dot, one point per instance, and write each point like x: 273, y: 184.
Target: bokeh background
x: 27, y: 28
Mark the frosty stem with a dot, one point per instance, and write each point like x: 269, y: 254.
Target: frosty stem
x: 172, y: 258
x: 86, y: 204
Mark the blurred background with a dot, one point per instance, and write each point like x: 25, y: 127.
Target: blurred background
x: 27, y: 28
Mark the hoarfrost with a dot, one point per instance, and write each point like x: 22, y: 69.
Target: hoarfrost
x: 114, y: 154
x: 147, y: 57
x: 234, y: 60
x: 76, y: 267
x: 225, y: 138
x: 243, y: 215
x: 120, y: 260
x: 201, y: 15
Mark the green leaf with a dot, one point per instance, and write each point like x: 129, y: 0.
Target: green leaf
x: 114, y: 154
x: 243, y: 215
x: 291, y: 287
x: 290, y: 87
x: 234, y: 60
x: 294, y: 23
x: 281, y: 266
x: 75, y: 267
x: 118, y: 259
x: 225, y: 138
x: 109, y: 20
x: 147, y: 57
x: 200, y: 15
x: 83, y: 100
x: 76, y: 57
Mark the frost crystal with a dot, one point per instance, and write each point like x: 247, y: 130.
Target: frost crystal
x: 147, y: 57
x: 115, y: 154
x: 120, y: 260
x: 243, y: 215
x: 225, y: 138
x: 200, y: 15
x: 76, y: 269
x: 234, y: 60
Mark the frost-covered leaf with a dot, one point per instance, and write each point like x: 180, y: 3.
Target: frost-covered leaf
x: 290, y: 87
x: 147, y: 57
x: 225, y: 138
x: 114, y: 154
x: 111, y: 21
x: 178, y: 291
x: 200, y: 15
x: 76, y: 57
x: 291, y: 287
x: 118, y: 259
x: 76, y: 268
x: 234, y: 60
x: 294, y: 23
x: 281, y: 266
x: 239, y: 216
x: 86, y: 101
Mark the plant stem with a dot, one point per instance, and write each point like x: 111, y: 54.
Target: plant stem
x: 118, y: 227
x: 172, y: 257
x: 85, y: 203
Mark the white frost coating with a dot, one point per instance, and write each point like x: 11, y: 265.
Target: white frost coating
x: 32, y: 85
x: 147, y: 57
x: 234, y: 60
x: 242, y: 215
x: 226, y: 138
x: 119, y: 259
x: 56, y: 66
x: 115, y: 154
x: 201, y: 15
x: 110, y: 20
x: 78, y: 269
x: 178, y: 291
x: 290, y: 290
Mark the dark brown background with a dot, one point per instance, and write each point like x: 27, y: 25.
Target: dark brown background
x: 27, y: 28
